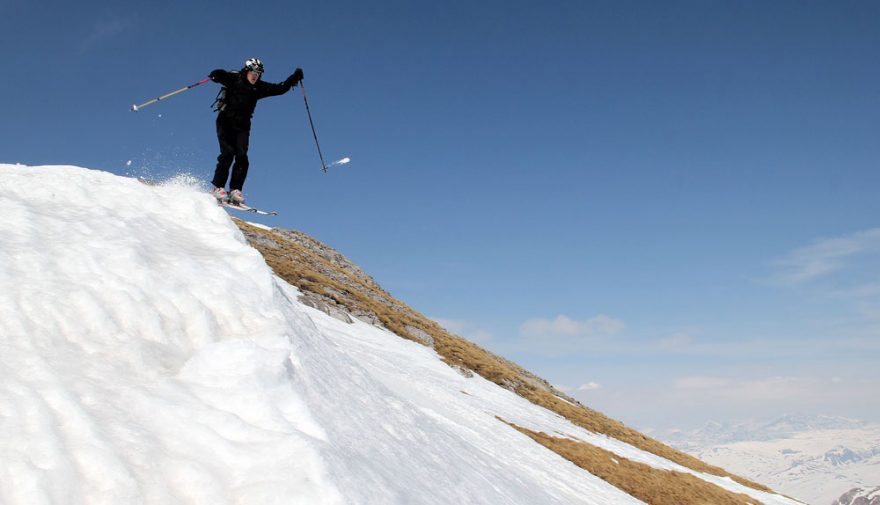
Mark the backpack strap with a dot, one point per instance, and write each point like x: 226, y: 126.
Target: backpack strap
x: 219, y: 101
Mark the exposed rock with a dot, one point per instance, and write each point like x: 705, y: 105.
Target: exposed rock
x: 368, y: 317
x: 842, y: 456
x: 259, y: 240
x: 860, y: 496
x: 322, y: 250
x: 420, y: 335
x: 321, y: 303
x: 340, y: 269
x: 509, y: 385
x: 529, y: 379
x: 463, y: 371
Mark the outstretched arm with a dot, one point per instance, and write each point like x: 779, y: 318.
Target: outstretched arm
x: 270, y: 89
x: 221, y: 76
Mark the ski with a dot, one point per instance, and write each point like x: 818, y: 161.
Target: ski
x: 245, y: 208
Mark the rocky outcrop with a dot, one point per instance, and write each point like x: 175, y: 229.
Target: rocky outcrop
x: 841, y: 456
x: 326, y: 306
x: 860, y: 496
x: 330, y: 282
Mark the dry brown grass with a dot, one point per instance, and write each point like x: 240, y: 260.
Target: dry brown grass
x: 303, y: 268
x: 649, y: 484
x: 600, y: 423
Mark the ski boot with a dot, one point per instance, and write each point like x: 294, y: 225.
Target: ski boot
x: 220, y: 195
x: 235, y: 197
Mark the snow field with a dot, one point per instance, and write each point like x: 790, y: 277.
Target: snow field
x: 109, y: 306
x: 148, y: 355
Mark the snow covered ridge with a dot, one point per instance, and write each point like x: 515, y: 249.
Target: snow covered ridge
x: 149, y: 355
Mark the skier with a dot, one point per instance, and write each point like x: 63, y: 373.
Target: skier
x: 235, y: 104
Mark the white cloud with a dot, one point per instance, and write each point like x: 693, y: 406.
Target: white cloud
x: 564, y: 335
x: 564, y: 326
x: 589, y: 386
x: 825, y: 256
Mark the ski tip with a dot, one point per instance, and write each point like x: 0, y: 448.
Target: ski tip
x: 134, y: 107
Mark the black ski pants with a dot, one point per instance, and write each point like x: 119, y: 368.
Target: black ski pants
x: 233, y: 139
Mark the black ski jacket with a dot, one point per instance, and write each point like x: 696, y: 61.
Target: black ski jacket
x: 241, y: 96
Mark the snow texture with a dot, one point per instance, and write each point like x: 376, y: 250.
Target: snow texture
x: 148, y: 355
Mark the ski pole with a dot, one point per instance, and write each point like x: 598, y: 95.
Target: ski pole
x: 135, y: 108
x: 312, y: 124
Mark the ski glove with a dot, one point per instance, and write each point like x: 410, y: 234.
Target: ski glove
x: 295, y: 77
x: 215, y: 74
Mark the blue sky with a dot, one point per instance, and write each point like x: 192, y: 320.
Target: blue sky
x: 669, y: 208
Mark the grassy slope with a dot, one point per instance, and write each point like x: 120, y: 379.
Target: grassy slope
x: 316, y: 268
x: 651, y: 485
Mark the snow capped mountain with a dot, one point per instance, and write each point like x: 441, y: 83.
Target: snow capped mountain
x: 812, y: 458
x: 716, y: 432
x: 148, y: 354
x: 860, y: 496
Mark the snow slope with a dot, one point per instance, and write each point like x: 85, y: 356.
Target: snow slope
x: 148, y: 355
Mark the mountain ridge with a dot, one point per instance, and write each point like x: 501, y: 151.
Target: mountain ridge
x: 334, y: 284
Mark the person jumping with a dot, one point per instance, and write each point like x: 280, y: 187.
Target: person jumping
x: 235, y: 106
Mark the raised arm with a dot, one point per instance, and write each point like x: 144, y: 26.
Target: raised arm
x: 221, y: 76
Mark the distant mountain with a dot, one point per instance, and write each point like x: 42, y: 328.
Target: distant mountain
x: 811, y: 458
x: 860, y: 496
x: 717, y: 432
x: 797, y: 423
